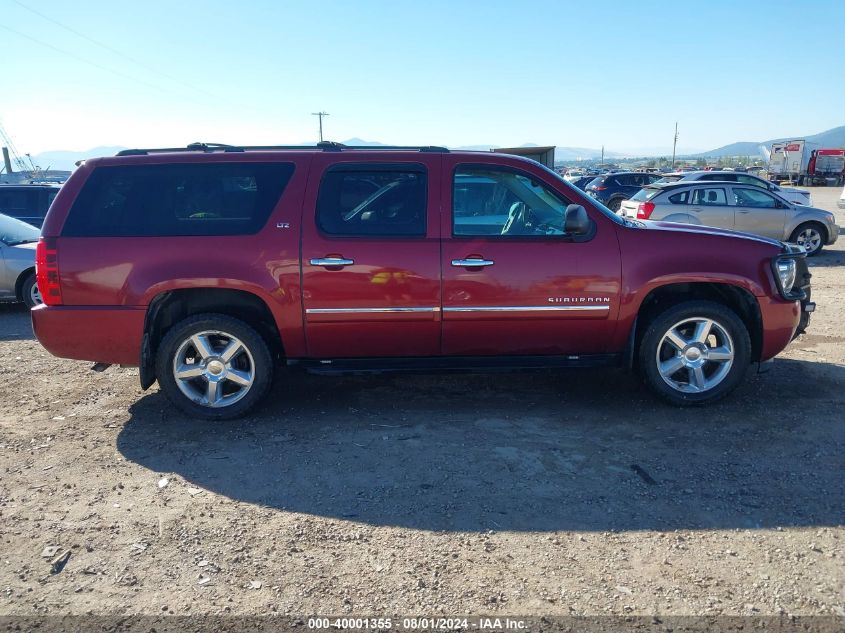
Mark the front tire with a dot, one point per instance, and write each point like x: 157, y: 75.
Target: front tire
x: 811, y: 236
x: 694, y: 353
x: 29, y: 292
x: 214, y: 367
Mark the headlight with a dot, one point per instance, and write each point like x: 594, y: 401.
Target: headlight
x: 786, y: 270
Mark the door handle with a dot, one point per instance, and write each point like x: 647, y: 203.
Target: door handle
x: 743, y: 212
x: 696, y: 210
x: 472, y: 263
x: 330, y: 262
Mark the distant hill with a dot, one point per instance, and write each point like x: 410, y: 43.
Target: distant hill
x: 830, y: 138
x: 64, y: 160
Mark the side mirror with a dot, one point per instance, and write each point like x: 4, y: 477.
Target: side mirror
x: 577, y: 222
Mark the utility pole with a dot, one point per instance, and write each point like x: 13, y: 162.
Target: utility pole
x: 675, y: 145
x: 320, y: 114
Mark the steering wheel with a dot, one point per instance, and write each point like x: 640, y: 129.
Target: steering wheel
x: 516, y: 215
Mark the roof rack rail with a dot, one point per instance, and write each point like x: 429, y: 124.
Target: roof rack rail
x: 326, y: 146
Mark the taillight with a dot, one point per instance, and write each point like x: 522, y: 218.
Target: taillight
x: 47, y: 271
x: 598, y: 188
x: 644, y: 210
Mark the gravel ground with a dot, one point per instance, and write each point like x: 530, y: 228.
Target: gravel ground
x: 535, y: 493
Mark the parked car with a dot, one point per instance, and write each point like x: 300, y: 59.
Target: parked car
x: 730, y: 205
x: 28, y: 203
x: 582, y: 181
x: 841, y: 203
x: 798, y: 196
x: 211, y: 266
x: 612, y: 189
x: 17, y: 261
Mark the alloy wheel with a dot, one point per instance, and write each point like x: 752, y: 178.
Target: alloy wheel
x: 213, y: 368
x: 810, y: 239
x: 695, y: 355
x: 35, y: 295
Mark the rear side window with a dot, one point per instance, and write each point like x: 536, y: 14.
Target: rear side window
x: 710, y: 196
x: 16, y: 203
x: 363, y: 200
x: 679, y: 198
x: 177, y: 199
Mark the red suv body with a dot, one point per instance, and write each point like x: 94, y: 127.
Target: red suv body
x: 208, y: 266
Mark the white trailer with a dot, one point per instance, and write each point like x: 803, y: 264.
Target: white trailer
x: 790, y: 159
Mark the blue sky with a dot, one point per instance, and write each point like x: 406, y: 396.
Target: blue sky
x: 432, y: 72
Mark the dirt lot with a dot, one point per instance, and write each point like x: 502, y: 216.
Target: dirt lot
x: 503, y: 493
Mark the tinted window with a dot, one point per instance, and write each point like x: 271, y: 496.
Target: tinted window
x: 679, y: 198
x: 51, y: 195
x: 15, y: 203
x: 750, y: 180
x: 177, y: 199
x: 369, y: 200
x: 645, y: 194
x: 508, y: 203
x: 753, y: 198
x: 710, y: 196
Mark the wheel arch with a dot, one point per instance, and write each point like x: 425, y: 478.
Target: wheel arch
x: 682, y: 218
x: 739, y: 299
x: 803, y: 220
x: 22, y: 278
x: 169, y: 307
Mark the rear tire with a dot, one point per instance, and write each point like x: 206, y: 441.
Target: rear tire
x: 811, y: 236
x: 615, y: 204
x: 214, y: 367
x: 30, y: 293
x: 694, y: 353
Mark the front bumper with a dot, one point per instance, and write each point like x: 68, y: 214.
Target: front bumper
x: 93, y: 333
x: 832, y: 233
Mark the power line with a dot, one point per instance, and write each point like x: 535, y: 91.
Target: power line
x: 86, y: 61
x: 113, y: 50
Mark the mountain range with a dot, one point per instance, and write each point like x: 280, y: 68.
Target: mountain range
x: 64, y: 160
x: 834, y: 138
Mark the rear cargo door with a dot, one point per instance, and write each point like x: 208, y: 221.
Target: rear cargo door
x: 371, y: 256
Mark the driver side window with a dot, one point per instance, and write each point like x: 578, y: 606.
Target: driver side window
x: 489, y: 202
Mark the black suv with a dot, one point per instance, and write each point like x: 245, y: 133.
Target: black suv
x: 612, y: 189
x: 28, y: 203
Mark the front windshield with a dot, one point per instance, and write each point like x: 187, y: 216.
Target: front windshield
x: 14, y: 231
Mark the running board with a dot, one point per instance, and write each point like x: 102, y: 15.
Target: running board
x: 445, y: 364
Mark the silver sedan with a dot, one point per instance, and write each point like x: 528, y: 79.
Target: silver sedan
x: 17, y: 261
x: 730, y: 205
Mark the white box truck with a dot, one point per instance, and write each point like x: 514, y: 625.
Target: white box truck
x: 789, y: 160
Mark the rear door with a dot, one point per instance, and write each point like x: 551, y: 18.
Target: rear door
x: 513, y: 282
x: 758, y: 212
x: 710, y: 206
x: 371, y: 256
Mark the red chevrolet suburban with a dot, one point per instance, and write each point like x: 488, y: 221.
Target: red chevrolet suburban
x: 211, y: 266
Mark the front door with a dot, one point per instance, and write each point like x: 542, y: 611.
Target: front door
x: 513, y: 281
x: 371, y: 257
x: 758, y: 212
